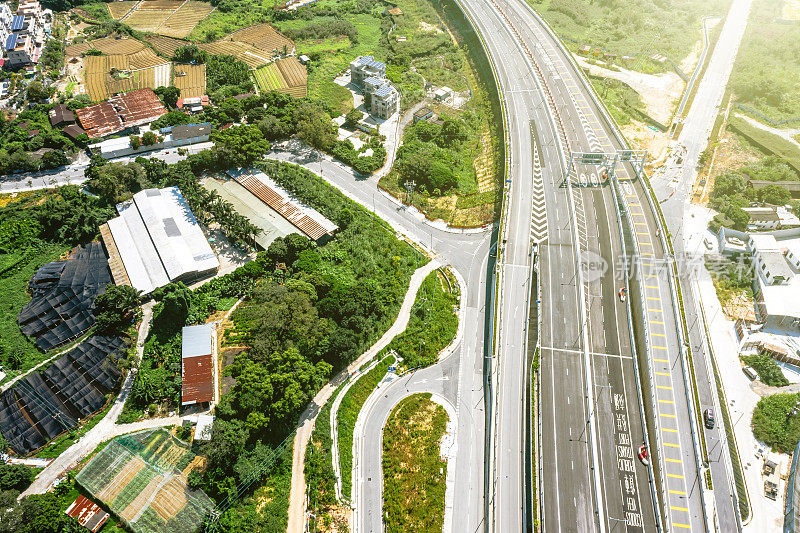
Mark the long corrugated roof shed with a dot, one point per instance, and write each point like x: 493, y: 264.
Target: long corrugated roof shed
x: 88, y: 514
x: 159, y: 240
x: 304, y: 218
x: 138, y: 107
x: 100, y: 119
x: 197, y: 364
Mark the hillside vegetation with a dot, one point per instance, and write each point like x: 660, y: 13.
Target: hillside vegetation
x: 632, y: 27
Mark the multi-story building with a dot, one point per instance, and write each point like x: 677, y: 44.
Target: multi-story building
x: 381, y: 98
x: 24, y: 33
x: 365, y: 66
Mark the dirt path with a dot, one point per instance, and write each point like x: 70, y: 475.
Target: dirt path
x: 297, y: 496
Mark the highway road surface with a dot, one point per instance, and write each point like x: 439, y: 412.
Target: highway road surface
x: 590, y: 428
x: 673, y: 187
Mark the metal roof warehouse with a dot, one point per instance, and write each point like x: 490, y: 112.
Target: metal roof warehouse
x: 156, y: 240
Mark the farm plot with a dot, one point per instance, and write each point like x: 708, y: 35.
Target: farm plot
x: 166, y: 45
x: 111, y: 74
x: 190, y: 79
x: 107, y: 45
x: 183, y: 21
x: 246, y: 53
x: 264, y: 37
x: 117, y: 10
x: 285, y: 75
x: 139, y: 477
x: 173, y: 18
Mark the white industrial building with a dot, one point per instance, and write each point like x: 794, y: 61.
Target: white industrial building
x: 157, y: 240
x: 173, y: 137
x: 776, y: 284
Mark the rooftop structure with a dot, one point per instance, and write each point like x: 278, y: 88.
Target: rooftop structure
x: 365, y: 66
x: 137, y: 107
x: 121, y: 111
x: 157, y: 240
x: 197, y: 364
x: 306, y: 219
x: 61, y: 114
x: 100, y: 119
x: 269, y: 222
x: 87, y: 513
x: 73, y: 131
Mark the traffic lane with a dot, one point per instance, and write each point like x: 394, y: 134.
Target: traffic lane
x: 619, y: 422
x: 716, y: 441
x: 370, y: 475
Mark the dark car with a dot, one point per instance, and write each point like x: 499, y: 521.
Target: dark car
x: 708, y: 418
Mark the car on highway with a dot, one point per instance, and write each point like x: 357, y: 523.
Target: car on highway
x: 708, y: 418
x: 643, y: 457
x: 622, y: 292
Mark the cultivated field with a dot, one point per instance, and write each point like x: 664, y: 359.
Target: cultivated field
x: 285, y: 75
x: 246, y: 53
x: 173, y: 18
x: 139, y: 477
x: 132, y: 71
x: 183, y: 21
x: 264, y: 37
x: 166, y: 45
x: 107, y: 45
x: 117, y: 10
x: 190, y: 79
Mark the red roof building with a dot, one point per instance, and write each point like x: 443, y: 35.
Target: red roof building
x: 87, y: 513
x: 121, y: 111
x: 197, y: 364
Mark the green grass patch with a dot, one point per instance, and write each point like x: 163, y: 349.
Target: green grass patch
x: 226, y: 303
x: 19, y: 353
x: 622, y: 101
x: 331, y: 44
x: 774, y: 425
x: 320, y: 477
x: 348, y: 413
x: 639, y: 28
x: 413, y: 473
x: 220, y: 23
x: 433, y: 323
x: 768, y: 370
x: 767, y: 142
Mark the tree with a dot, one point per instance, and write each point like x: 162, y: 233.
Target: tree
x: 169, y: 95
x: 54, y: 159
x: 273, y: 128
x: 190, y: 54
x: 315, y: 127
x: 149, y: 138
x: 238, y: 146
x: 352, y: 118
x: 38, y: 92
x: 116, y: 307
x: 177, y: 301
x: 136, y: 142
x: 17, y: 477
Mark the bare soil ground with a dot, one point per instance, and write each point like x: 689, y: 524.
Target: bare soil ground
x: 172, y: 498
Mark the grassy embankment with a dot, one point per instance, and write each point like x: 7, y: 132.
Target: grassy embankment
x: 413, y: 472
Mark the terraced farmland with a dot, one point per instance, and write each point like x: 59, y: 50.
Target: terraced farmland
x: 107, y: 45
x: 285, y: 75
x: 183, y: 21
x: 142, y: 69
x: 192, y: 82
x: 166, y: 45
x: 117, y: 10
x: 264, y: 37
x: 246, y: 53
x: 173, y: 18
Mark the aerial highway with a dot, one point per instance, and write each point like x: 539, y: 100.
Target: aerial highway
x: 590, y: 426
